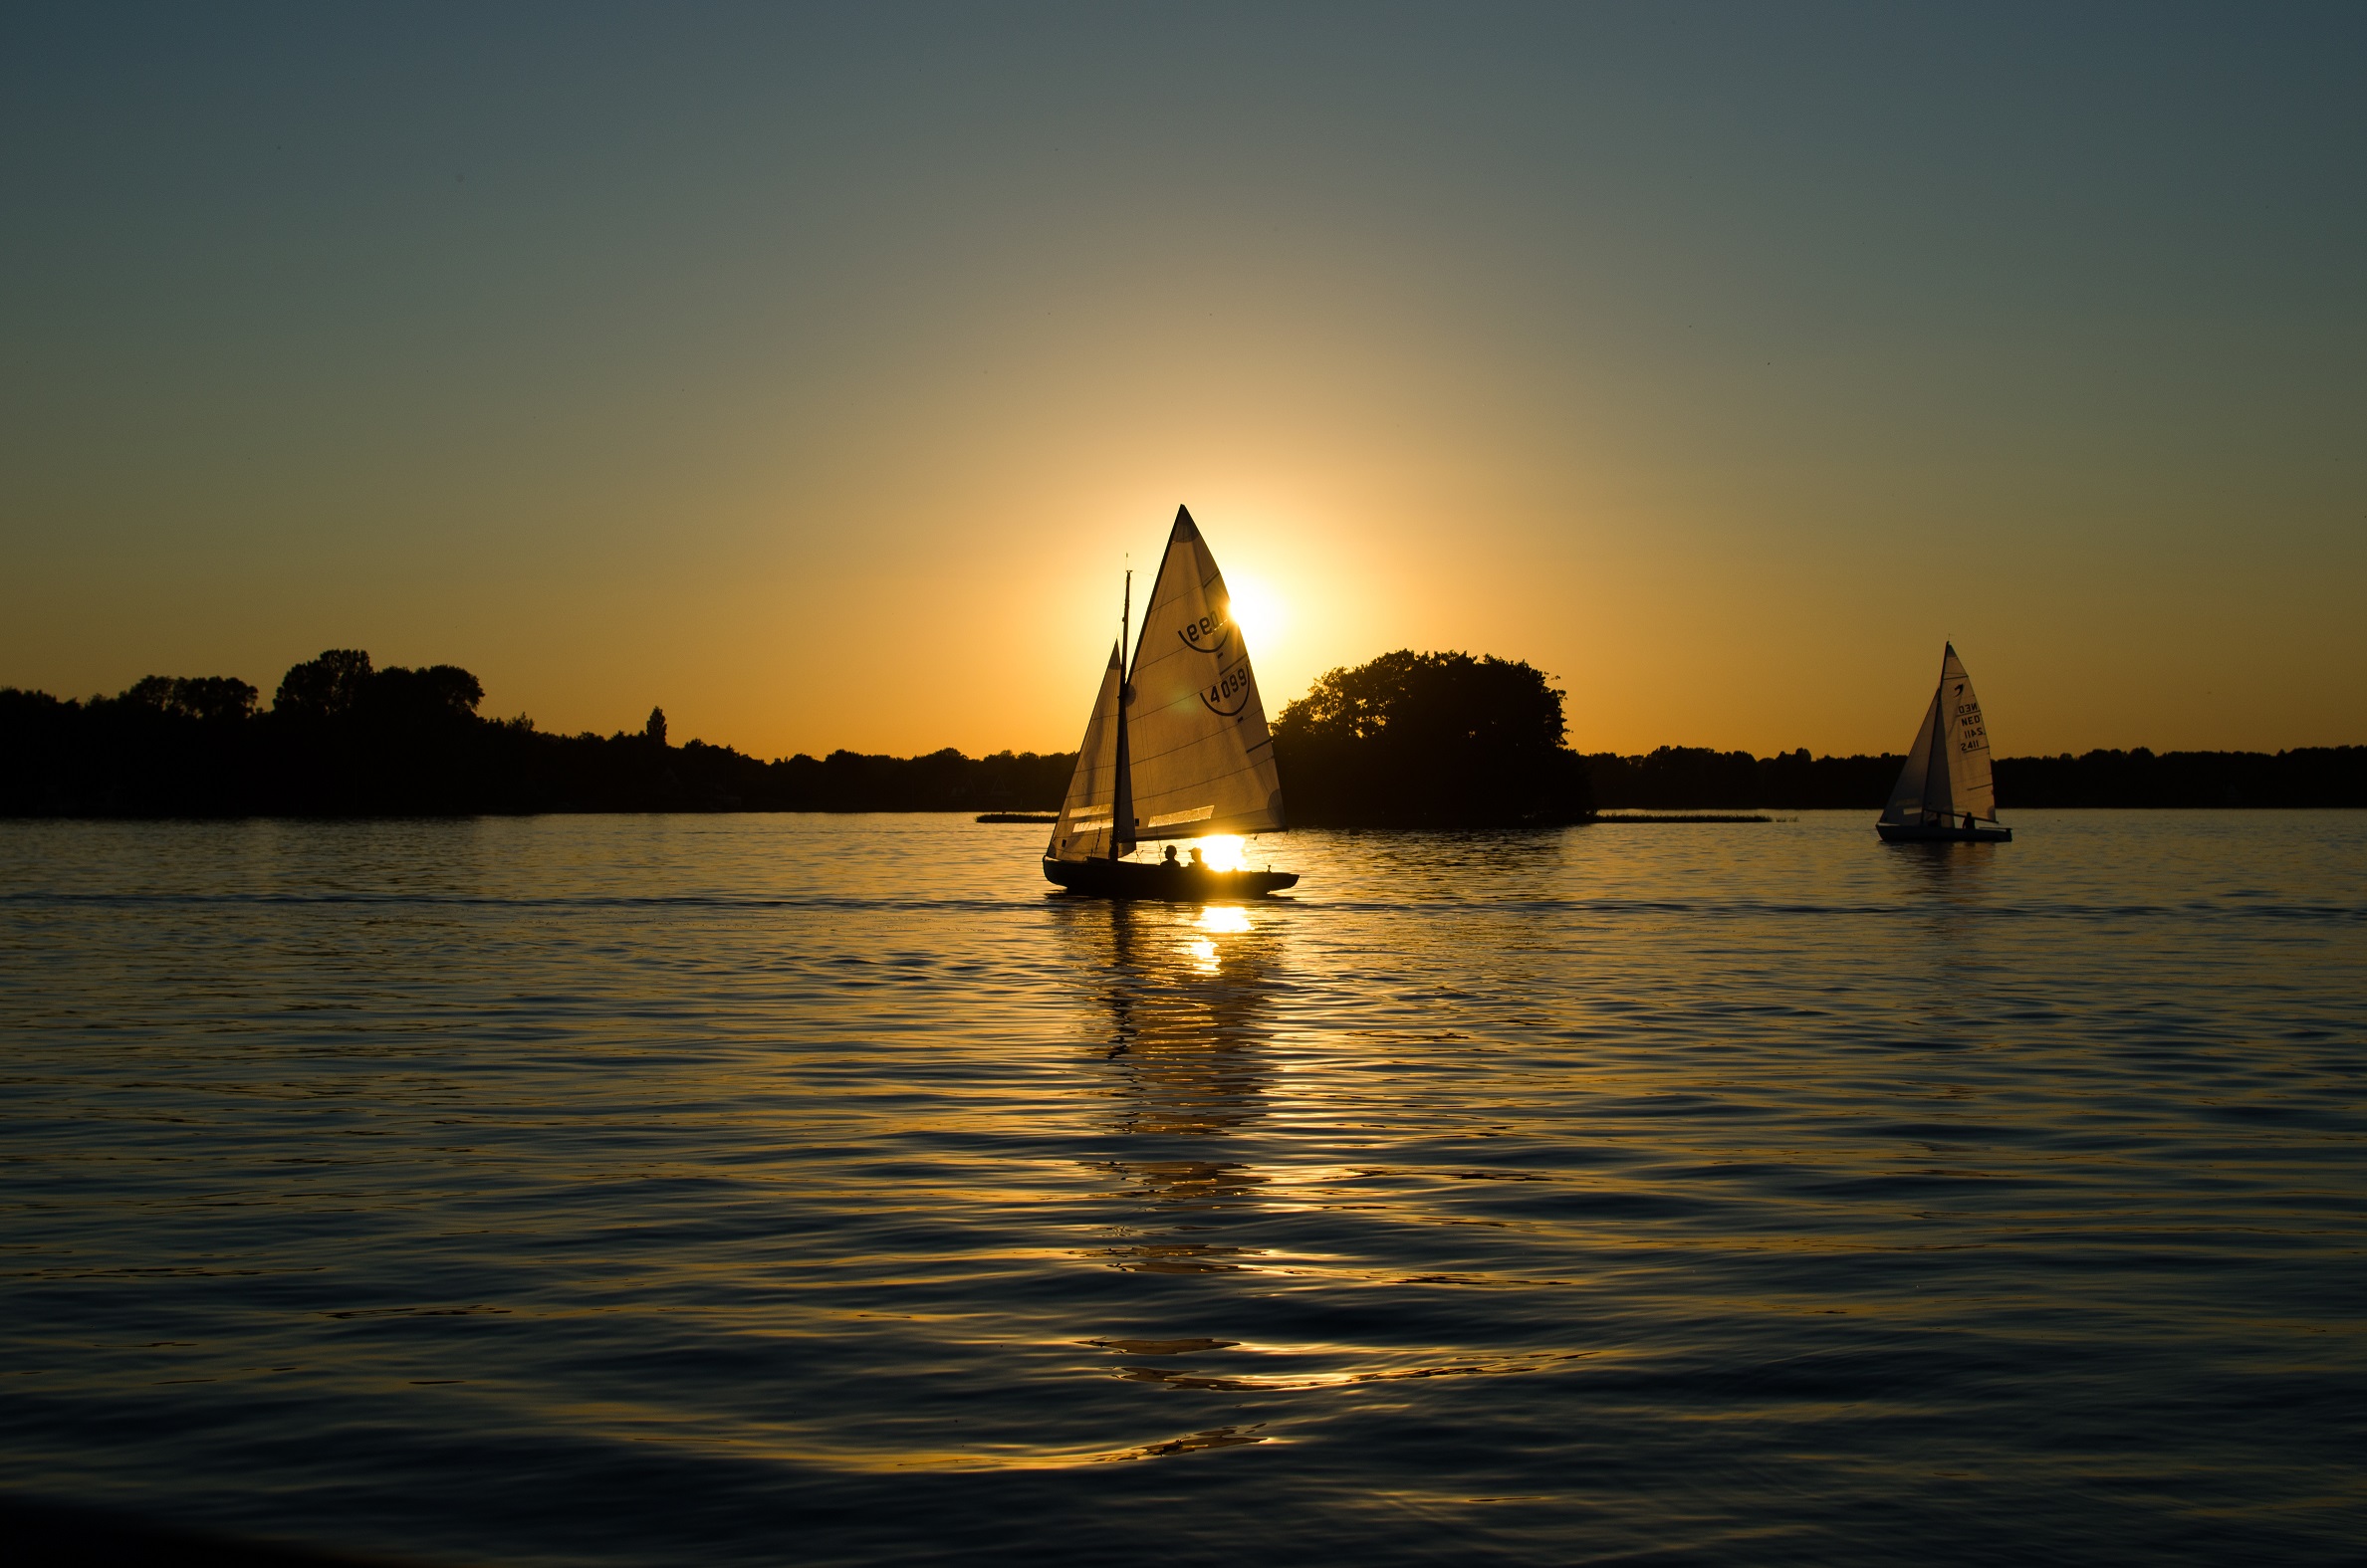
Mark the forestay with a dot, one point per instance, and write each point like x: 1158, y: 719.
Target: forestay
x: 1088, y: 816
x: 1203, y: 760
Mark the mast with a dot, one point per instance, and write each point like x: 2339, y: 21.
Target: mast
x: 1936, y: 768
x: 1121, y: 804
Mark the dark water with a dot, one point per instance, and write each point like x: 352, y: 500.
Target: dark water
x: 801, y: 1189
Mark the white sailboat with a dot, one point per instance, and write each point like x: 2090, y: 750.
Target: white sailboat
x: 1946, y: 792
x: 1176, y: 746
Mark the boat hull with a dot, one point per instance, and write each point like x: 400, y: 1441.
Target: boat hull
x: 1919, y: 833
x: 1176, y: 883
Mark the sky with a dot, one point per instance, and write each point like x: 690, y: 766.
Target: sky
x: 816, y: 372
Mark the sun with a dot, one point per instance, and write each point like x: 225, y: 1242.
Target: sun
x: 1223, y: 850
x: 1255, y: 609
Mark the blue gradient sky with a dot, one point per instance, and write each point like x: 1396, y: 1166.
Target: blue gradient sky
x: 813, y: 372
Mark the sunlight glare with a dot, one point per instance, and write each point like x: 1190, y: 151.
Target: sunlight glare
x: 1224, y: 917
x: 1223, y: 851
x: 1253, y: 609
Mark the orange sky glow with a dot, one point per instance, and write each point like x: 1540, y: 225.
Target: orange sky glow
x: 817, y: 378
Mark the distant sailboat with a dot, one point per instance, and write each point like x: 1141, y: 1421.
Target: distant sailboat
x: 1945, y: 793
x: 1176, y: 748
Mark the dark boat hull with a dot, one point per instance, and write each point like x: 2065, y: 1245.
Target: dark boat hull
x: 1138, y: 879
x: 1918, y: 833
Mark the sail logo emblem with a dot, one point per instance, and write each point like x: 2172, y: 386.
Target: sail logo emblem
x: 1972, y: 735
x: 1207, y: 634
x: 1231, y: 687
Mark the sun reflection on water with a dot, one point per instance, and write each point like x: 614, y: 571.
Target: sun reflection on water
x: 1215, y: 920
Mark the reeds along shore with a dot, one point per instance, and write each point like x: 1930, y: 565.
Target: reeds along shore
x: 342, y: 737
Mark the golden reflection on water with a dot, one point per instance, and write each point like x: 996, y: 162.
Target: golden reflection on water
x: 1188, y: 1005
x: 1190, y: 999
x: 1187, y: 1001
x: 1703, y: 1144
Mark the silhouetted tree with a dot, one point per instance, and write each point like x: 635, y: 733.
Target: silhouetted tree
x: 1430, y: 740
x: 656, y: 729
x: 211, y: 699
x: 328, y: 687
x: 436, y: 692
x: 151, y: 691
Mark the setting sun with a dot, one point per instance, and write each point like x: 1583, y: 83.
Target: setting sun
x: 1255, y: 609
x: 1223, y: 851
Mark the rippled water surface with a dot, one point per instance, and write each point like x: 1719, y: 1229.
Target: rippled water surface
x: 750, y: 1190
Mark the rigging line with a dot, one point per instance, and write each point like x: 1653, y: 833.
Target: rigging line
x: 1151, y: 604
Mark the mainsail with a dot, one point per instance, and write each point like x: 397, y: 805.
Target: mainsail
x: 1203, y: 760
x: 1177, y: 746
x: 1946, y: 773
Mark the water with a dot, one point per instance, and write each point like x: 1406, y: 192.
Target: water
x: 752, y: 1190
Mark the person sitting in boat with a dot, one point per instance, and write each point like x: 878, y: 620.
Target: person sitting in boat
x: 1199, y: 860
x: 1968, y: 822
x: 1167, y: 861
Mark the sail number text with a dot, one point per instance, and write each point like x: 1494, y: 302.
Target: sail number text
x: 1231, y: 687
x: 1205, y: 634
x: 1971, y: 734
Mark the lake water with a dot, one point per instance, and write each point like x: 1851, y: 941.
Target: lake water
x: 782, y: 1189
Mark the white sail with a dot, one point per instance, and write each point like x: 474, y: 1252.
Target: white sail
x: 1946, y: 773
x: 1906, y: 797
x: 1088, y: 816
x: 1971, y: 786
x: 1203, y: 762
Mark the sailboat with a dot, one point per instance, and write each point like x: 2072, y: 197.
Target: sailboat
x: 1176, y: 746
x: 1945, y: 793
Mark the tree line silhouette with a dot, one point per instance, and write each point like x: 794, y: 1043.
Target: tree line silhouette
x: 1692, y: 778
x: 1410, y: 740
x: 344, y: 737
